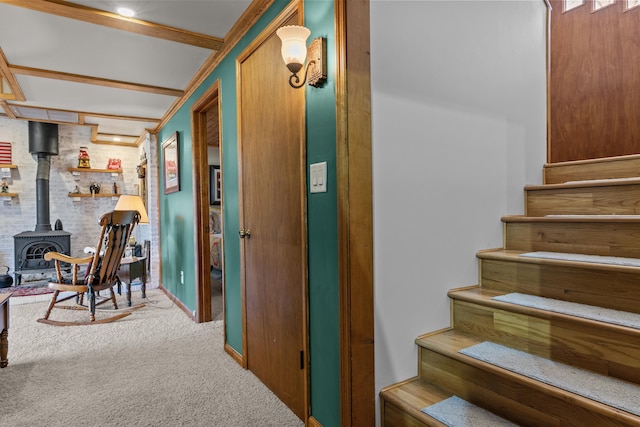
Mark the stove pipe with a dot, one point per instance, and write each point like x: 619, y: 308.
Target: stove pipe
x: 43, y: 142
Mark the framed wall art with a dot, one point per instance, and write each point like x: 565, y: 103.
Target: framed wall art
x: 171, y: 164
x: 215, y: 185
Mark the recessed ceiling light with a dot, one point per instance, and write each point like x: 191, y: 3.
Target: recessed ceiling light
x: 116, y: 138
x: 126, y: 12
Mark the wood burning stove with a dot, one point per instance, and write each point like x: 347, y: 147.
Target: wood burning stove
x: 31, y: 246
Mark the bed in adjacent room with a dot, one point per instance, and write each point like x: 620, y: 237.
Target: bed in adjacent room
x: 215, y: 241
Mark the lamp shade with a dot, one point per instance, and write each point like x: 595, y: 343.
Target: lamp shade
x: 294, y: 46
x: 132, y: 203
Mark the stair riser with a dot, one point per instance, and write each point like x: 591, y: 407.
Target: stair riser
x: 597, y: 349
x: 396, y: 417
x: 604, y: 200
x: 605, y: 288
x: 609, y: 239
x: 580, y: 171
x: 510, y: 397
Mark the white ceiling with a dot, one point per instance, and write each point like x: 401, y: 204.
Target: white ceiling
x: 123, y: 81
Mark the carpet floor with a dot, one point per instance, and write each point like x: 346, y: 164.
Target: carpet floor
x: 155, y: 367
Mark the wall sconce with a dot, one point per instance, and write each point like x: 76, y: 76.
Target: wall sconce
x: 294, y: 53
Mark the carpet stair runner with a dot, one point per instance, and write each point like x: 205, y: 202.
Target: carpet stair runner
x: 551, y: 334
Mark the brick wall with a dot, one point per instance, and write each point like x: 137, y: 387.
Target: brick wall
x: 79, y: 216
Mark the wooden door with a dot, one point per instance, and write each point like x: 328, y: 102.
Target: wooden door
x: 272, y: 211
x: 594, y: 79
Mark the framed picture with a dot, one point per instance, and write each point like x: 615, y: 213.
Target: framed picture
x: 215, y: 185
x: 171, y: 164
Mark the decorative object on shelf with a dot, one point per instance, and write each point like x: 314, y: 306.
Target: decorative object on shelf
x: 294, y: 53
x: 5, y: 279
x: 94, y: 188
x: 142, y: 171
x: 83, y: 158
x: 4, y: 185
x: 114, y: 164
x: 171, y: 164
x: 5, y: 153
x: 115, y: 188
x: 76, y: 190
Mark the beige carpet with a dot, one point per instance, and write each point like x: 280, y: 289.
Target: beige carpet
x: 153, y: 368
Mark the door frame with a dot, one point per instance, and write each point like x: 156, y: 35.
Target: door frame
x: 355, y: 213
x: 210, y: 99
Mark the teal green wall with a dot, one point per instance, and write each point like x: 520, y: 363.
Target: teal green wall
x: 177, y: 216
x: 322, y: 225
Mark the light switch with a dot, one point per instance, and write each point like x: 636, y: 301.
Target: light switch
x: 318, y: 177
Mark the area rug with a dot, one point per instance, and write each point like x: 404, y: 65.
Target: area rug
x: 607, y: 315
x: 599, y: 259
x: 457, y: 412
x: 27, y: 289
x: 610, y: 391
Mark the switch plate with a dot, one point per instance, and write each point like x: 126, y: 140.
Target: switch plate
x: 318, y: 177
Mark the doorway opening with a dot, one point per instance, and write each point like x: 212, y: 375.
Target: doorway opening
x: 208, y: 200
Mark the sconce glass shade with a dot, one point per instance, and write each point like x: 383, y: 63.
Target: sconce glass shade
x: 132, y: 203
x: 294, y: 46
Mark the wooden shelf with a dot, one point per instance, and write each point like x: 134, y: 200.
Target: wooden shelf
x: 6, y: 166
x: 94, y: 195
x: 95, y: 170
x: 8, y: 194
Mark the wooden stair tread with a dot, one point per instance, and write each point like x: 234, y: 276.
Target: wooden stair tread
x: 448, y: 343
x: 603, y: 168
x: 485, y: 297
x: 571, y: 218
x: 413, y: 395
x: 600, y: 160
x: 585, y: 184
x: 514, y: 256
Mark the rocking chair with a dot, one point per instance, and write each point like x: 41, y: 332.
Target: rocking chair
x: 100, y: 273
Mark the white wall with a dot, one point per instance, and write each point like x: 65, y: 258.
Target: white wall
x: 459, y: 127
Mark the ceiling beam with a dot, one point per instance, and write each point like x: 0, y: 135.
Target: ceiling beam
x: 14, y: 87
x: 113, y: 20
x: 7, y: 110
x: 57, y: 75
x: 85, y: 115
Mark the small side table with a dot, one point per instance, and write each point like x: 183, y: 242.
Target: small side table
x: 134, y: 268
x: 4, y: 329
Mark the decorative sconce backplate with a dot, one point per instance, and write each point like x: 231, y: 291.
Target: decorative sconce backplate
x: 317, y: 52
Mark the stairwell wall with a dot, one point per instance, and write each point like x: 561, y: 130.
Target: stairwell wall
x: 459, y: 127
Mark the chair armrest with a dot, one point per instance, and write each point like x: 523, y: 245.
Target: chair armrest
x: 66, y: 258
x: 75, y: 263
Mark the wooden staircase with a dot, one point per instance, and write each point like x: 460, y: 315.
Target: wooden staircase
x: 584, y: 207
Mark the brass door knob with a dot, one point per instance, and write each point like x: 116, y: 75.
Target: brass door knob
x: 244, y: 233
